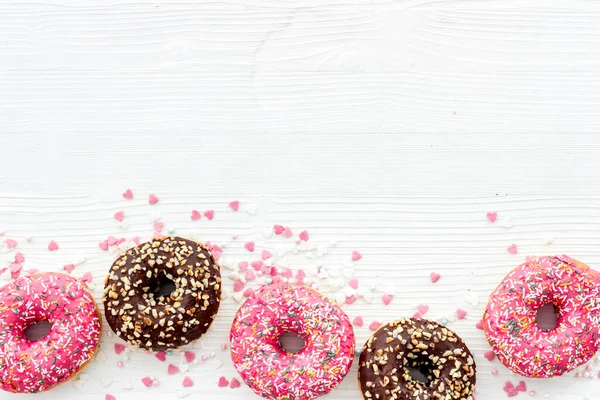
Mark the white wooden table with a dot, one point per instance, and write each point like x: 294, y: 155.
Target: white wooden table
x: 390, y: 128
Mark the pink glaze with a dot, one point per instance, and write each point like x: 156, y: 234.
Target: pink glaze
x: 510, y: 324
x: 30, y: 367
x: 272, y: 372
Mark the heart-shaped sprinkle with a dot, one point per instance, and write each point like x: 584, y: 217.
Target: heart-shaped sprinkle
x: 350, y: 299
x: 358, y: 321
x: 136, y: 240
x: 266, y: 254
x: 287, y: 273
x: 374, y: 326
x: 152, y: 199
x: 10, y: 243
x: 234, y: 383
x: 434, y: 277
x: 87, y: 277
x: 158, y: 226
x: 161, y: 355
x: 69, y: 268
x: 243, y: 266
x: 257, y: 264
x: 103, y: 245
x: 278, y: 229
x: 300, y: 275
x: 250, y: 275
x: 387, y: 299
x: 111, y: 240
x: 507, y: 386
x: 521, y: 387
x: 234, y: 205
x: 52, y: 246
x: 189, y: 356
x: 417, y: 315
x: 223, y: 382
x: 479, y: 325
x: 303, y: 236
x: 512, y: 392
x: 187, y: 382
x: 356, y: 255
x: 287, y: 232
x: 172, y: 369
x: 19, y: 258
x: 512, y: 249
x: 119, y: 348
x: 248, y: 292
x: 110, y: 397
x: 128, y: 194
x: 209, y: 214
x: 196, y: 215
x: 119, y: 216
x: 249, y: 246
x: 147, y: 381
x: 489, y: 355
x: 492, y: 215
x: 353, y: 283
x: 238, y: 286
x: 461, y: 314
x: 423, y: 308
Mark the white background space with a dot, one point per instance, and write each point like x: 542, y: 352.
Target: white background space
x: 389, y: 127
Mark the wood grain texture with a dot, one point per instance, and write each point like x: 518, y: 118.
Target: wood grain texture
x: 390, y: 127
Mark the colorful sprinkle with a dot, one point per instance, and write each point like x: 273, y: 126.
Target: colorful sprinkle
x: 434, y: 277
x: 234, y: 384
x: 461, y: 314
x: 152, y: 199
x: 387, y: 299
x: 249, y: 246
x: 209, y: 214
x: 172, y: 369
x: 234, y: 205
x: 128, y: 194
x: 187, y: 382
x: 303, y: 236
x: 196, y: 215
x: 52, y: 246
x: 223, y: 382
x: 512, y: 249
x: 491, y: 216
x: 356, y: 255
x: 119, y: 216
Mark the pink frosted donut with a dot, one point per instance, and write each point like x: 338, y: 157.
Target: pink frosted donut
x: 274, y: 373
x: 30, y: 367
x: 510, y: 324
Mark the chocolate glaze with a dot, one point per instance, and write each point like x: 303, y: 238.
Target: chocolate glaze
x: 144, y: 318
x: 425, y: 345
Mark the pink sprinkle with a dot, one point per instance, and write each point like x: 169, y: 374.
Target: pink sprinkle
x: 52, y: 246
x: 350, y: 299
x: 353, y: 283
x: 234, y: 236
x: 234, y: 383
x: 19, y: 258
x: 128, y: 195
x: 512, y: 249
x: 158, y: 226
x: 248, y: 292
x: 423, y: 308
x: 122, y: 240
x: 479, y: 325
x: 249, y: 275
x: 417, y: 315
x: 161, y: 355
x: 238, y: 286
x: 374, y: 326
x: 119, y: 348
x: 110, y: 397
x: 69, y: 268
x: 120, y: 364
x: 387, y: 299
x: 358, y: 321
x: 434, y: 277
x: 189, y: 356
x: 356, y: 255
x: 243, y: 266
x: 234, y: 205
x: 507, y: 386
x: 287, y: 232
x: 15, y: 270
x: 257, y: 264
x: 278, y: 229
x: 489, y: 355
x: 300, y: 275
x: 155, y: 383
x: 494, y: 371
x: 119, y: 216
x: 103, y: 245
x: 492, y: 215
x: 136, y: 240
x: 224, y: 346
x: 532, y: 393
x: 589, y: 368
x: 223, y: 382
x: 187, y: 382
x: 209, y: 214
x: 196, y: 215
x: 249, y: 246
x: 266, y: 254
x: 521, y: 387
x: 512, y: 392
x: 87, y: 277
x: 152, y: 199
x: 147, y: 381
x: 10, y: 243
x: 111, y: 240
x: 461, y: 314
x: 172, y: 369
x: 303, y: 236
x: 157, y: 235
x: 204, y: 357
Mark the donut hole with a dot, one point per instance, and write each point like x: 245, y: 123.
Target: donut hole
x: 421, y: 371
x: 37, y: 330
x: 161, y: 287
x: 547, y: 316
x: 291, y: 342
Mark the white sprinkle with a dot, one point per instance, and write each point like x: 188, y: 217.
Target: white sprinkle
x: 183, y: 393
x: 548, y: 239
x: 100, y: 356
x: 507, y: 223
x: 238, y: 296
x: 126, y: 385
x: 251, y: 209
x: 106, y: 382
x: 154, y: 216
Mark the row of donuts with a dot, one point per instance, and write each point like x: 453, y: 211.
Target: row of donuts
x: 140, y: 315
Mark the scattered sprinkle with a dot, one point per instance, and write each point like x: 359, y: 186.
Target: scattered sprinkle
x: 512, y: 249
x: 521, y: 387
x: 494, y: 371
x: 358, y: 321
x: 119, y: 216
x: 278, y: 229
x: 303, y: 236
x: 249, y: 246
x: 10, y: 243
x: 492, y: 215
x: 209, y: 214
x: 223, y: 382
x: 489, y: 355
x: 356, y: 255
x: 234, y: 205
x: 190, y: 356
x: 128, y: 194
x: 161, y: 355
x: 479, y: 325
x: 158, y: 226
x: 103, y: 245
x: 69, y: 267
x: 119, y: 348
x: 287, y: 232
x: 172, y: 369
x: 196, y: 215
x: 110, y: 397
x: 52, y: 246
x: 238, y: 285
x: 353, y: 283
x: 423, y: 308
x: 224, y: 346
x: 461, y: 314
x: 266, y: 254
x: 434, y: 277
x: 257, y: 264
x: 87, y: 277
x: 120, y: 364
x: 152, y: 199
x: 187, y: 382
x: 387, y: 299
x: 532, y: 393
x: 234, y: 383
x: 374, y: 326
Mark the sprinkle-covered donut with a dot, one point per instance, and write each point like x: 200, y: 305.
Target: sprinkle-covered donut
x: 412, y: 343
x: 510, y: 324
x: 271, y: 371
x: 34, y: 366
x: 138, y: 314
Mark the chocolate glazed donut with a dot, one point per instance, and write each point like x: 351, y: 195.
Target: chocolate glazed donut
x: 142, y: 317
x: 410, y: 343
